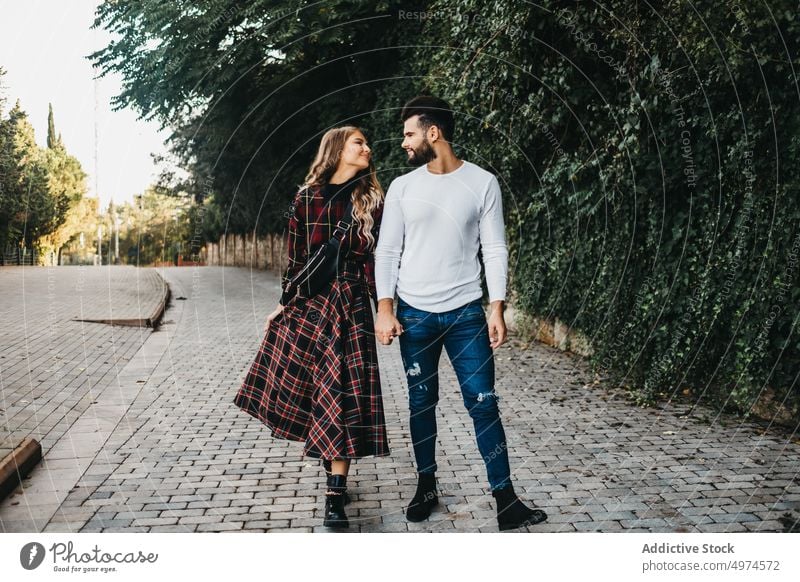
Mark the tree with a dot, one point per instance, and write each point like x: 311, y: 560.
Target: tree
x: 9, y: 201
x: 27, y: 209
x: 249, y: 88
x: 53, y: 140
x: 39, y: 188
x: 67, y: 187
x: 151, y: 228
x: 82, y: 220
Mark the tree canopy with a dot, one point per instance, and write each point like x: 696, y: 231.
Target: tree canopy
x: 41, y: 189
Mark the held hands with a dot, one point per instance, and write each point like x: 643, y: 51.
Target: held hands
x: 273, y: 315
x: 387, y: 327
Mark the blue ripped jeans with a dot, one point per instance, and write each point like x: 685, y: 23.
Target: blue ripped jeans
x: 464, y: 333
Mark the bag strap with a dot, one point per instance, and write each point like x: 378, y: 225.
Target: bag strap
x: 343, y: 225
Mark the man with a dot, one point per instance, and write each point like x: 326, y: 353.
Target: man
x: 436, y: 219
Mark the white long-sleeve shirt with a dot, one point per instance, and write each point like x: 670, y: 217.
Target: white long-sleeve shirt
x: 432, y: 229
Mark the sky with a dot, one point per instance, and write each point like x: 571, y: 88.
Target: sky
x: 43, y: 45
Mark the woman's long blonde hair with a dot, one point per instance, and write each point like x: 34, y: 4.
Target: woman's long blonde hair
x: 367, y: 195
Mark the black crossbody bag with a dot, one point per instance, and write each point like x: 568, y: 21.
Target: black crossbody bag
x: 323, y: 265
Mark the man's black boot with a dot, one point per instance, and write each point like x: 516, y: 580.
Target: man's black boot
x: 512, y: 513
x: 334, y: 503
x: 327, y: 466
x: 424, y: 499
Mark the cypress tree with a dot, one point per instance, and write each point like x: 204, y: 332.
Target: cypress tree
x: 52, y: 140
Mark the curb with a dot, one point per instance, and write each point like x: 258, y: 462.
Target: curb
x: 151, y: 321
x: 17, y: 464
x: 155, y: 319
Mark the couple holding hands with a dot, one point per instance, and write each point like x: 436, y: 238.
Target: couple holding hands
x: 315, y: 378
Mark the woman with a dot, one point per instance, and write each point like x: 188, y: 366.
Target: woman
x: 315, y: 378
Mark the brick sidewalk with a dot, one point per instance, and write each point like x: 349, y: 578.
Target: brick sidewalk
x: 183, y: 458
x: 52, y: 367
x: 50, y: 362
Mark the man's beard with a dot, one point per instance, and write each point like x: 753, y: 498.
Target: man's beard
x: 422, y: 155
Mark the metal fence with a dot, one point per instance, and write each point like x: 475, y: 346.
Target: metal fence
x: 19, y: 256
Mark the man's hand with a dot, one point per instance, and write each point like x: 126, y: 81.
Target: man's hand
x: 497, y: 324
x: 386, y: 325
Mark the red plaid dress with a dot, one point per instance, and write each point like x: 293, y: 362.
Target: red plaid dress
x: 315, y: 377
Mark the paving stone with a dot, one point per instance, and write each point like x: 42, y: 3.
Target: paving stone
x: 227, y: 526
x: 150, y: 521
x: 733, y: 517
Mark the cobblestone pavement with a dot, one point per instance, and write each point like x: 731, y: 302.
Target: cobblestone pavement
x: 181, y: 457
x: 51, y: 364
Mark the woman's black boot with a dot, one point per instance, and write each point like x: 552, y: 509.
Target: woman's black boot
x: 334, y: 503
x: 327, y: 465
x: 424, y: 499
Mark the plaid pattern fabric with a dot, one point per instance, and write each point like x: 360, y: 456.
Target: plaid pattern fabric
x: 312, y: 221
x: 315, y: 377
